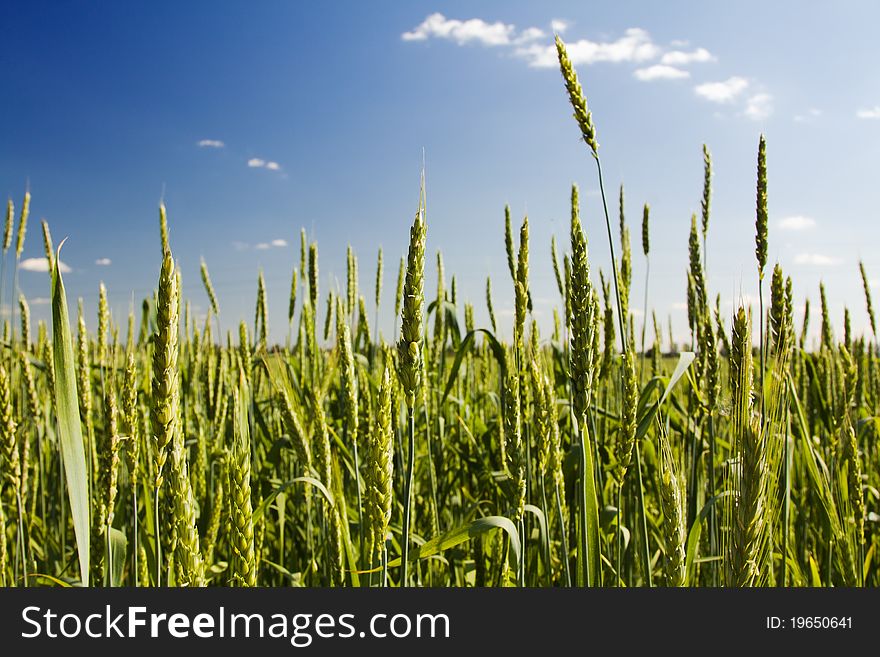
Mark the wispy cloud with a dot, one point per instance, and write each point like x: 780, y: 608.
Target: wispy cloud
x: 530, y: 34
x: 682, y: 58
x: 722, y: 92
x: 210, y: 143
x: 103, y: 262
x: 759, y: 107
x: 41, y: 265
x: 258, y: 163
x: 260, y: 246
x: 40, y: 301
x: 870, y: 113
x: 474, y: 30
x: 660, y: 72
x: 558, y: 25
x: 796, y: 222
x: 815, y: 259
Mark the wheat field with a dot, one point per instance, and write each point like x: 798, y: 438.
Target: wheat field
x: 164, y: 453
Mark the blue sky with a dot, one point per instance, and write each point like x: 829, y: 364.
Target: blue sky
x: 316, y: 115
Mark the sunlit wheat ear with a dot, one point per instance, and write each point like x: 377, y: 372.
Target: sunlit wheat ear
x: 580, y: 291
x: 303, y: 250
x: 439, y: 332
x: 827, y: 331
x: 4, y: 550
x: 11, y: 472
x: 379, y: 467
x: 582, y: 114
x: 291, y: 302
x: 608, y: 330
x: 10, y: 221
x: 626, y: 438
x: 348, y: 379
x: 748, y: 521
x: 521, y: 285
x: 761, y: 209
x: 556, y: 272
x: 410, y: 345
x: 47, y: 244
x: 212, y: 530
x: 25, y: 313
x: 351, y: 280
x: 508, y: 243
x: 261, y: 329
x: 866, y: 286
x: 513, y: 449
x: 489, y: 307
x: 673, y: 504
x: 163, y: 228
x: 778, y: 306
x: 398, y: 293
x: 696, y: 268
x: 313, y: 274
x: 706, y: 201
x: 166, y: 394
x: 103, y: 323
x: 241, y: 527
x: 22, y: 224
x: 209, y: 287
x: 379, y: 265
x: 328, y: 315
x: 131, y: 444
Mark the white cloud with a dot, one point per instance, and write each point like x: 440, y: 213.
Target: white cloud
x: 682, y: 58
x: 871, y: 113
x: 634, y: 46
x: 816, y: 259
x: 796, y: 222
x: 538, y: 56
x: 759, y: 107
x: 41, y: 264
x: 722, y: 92
x: 260, y: 246
x: 40, y: 301
x: 462, y: 32
x: 808, y: 116
x: 258, y: 163
x: 210, y: 143
x: 530, y: 34
x: 680, y: 305
x: 558, y: 25
x: 103, y: 262
x: 660, y: 72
